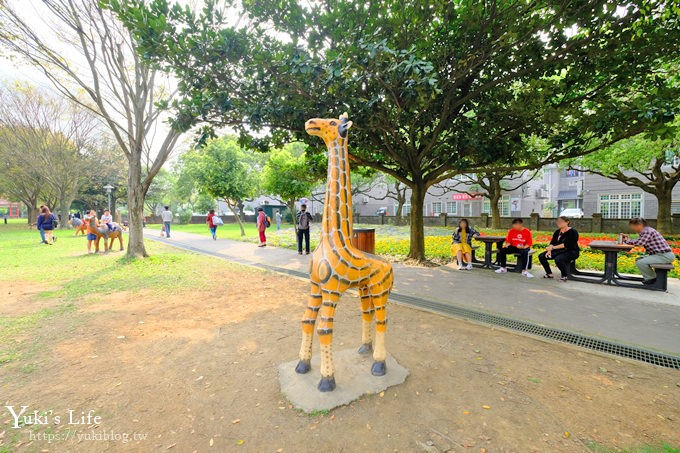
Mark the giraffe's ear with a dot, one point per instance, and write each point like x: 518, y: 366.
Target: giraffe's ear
x: 343, y: 128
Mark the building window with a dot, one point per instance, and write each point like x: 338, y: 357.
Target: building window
x: 620, y: 206
x: 436, y: 207
x: 675, y: 207
x: 572, y: 173
x: 405, y: 210
x: 451, y: 207
x: 503, y: 205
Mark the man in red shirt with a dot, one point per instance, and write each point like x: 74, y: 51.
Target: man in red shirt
x: 518, y: 241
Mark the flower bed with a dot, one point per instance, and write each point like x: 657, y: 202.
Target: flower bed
x: 438, y: 248
x: 393, y: 243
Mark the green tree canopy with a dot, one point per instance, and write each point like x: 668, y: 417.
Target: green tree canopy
x: 651, y: 164
x: 289, y: 175
x: 223, y: 171
x: 433, y: 87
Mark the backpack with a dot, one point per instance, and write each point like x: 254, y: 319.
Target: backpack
x: 304, y: 220
x: 267, y: 221
x: 217, y: 221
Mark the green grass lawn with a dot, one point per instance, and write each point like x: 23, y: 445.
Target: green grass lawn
x: 393, y: 242
x: 226, y: 231
x: 65, y: 274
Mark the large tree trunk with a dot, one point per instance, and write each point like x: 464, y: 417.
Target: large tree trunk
x: 241, y: 211
x: 136, y: 195
x: 32, y: 211
x: 232, y: 207
x: 290, y: 204
x: 664, y: 196
x: 64, y: 208
x: 417, y: 249
x: 400, y: 209
x: 494, y: 198
x: 401, y: 200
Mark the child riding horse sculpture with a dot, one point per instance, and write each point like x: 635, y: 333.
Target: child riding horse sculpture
x: 102, y: 231
x: 337, y: 266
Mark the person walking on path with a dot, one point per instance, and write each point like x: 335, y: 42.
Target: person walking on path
x: 39, y: 226
x: 262, y: 226
x: 519, y: 241
x: 303, y: 220
x: 461, y: 246
x: 167, y: 216
x: 46, y: 222
x: 656, y: 248
x: 210, y: 220
x: 563, y: 248
x: 278, y: 217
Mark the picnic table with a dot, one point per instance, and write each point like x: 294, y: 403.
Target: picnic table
x: 611, y: 276
x: 488, y: 241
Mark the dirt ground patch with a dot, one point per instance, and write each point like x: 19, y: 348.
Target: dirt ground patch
x: 18, y: 298
x: 198, y: 372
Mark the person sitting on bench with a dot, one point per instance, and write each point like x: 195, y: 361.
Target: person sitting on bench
x: 656, y: 248
x: 563, y: 248
x: 519, y: 242
x: 461, y: 246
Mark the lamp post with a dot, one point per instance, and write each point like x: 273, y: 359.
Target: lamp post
x: 108, y: 189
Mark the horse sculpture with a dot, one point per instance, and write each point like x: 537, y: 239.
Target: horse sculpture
x: 79, y: 226
x: 103, y: 232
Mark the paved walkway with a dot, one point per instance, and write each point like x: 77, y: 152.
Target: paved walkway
x: 642, y: 318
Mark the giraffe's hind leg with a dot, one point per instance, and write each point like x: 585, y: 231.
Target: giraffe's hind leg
x: 308, y: 322
x: 367, y: 311
x: 380, y: 292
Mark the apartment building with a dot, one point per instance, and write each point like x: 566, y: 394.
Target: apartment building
x: 547, y: 192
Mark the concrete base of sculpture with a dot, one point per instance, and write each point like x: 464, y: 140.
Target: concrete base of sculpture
x: 352, y: 375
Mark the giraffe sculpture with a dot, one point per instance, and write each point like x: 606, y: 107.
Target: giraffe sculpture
x: 336, y: 265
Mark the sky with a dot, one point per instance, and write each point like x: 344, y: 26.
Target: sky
x: 14, y: 69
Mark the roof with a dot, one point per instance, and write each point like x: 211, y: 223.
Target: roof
x: 567, y: 195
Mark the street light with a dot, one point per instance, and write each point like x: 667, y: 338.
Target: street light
x: 108, y: 189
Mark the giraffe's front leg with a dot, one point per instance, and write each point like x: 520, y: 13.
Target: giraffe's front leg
x: 325, y: 333
x: 308, y: 321
x: 366, y: 322
x: 379, y: 367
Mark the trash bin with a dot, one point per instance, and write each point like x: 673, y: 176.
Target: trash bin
x: 364, y: 239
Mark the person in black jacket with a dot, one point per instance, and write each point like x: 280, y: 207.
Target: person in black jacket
x: 563, y: 248
x: 46, y: 222
x: 303, y: 220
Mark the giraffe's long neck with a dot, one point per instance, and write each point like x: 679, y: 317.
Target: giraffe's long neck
x: 337, y: 208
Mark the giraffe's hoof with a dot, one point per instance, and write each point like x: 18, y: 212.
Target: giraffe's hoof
x: 327, y: 384
x: 379, y: 369
x: 365, y: 348
x: 303, y: 367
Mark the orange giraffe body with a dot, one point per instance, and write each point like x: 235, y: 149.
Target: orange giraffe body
x: 336, y: 265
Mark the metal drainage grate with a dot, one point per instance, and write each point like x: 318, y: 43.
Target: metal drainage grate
x: 564, y: 336
x: 610, y: 347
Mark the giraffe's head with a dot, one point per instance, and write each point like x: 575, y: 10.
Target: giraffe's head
x: 328, y: 129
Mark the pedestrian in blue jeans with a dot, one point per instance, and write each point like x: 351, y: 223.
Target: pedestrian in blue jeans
x: 303, y: 219
x: 40, y: 228
x: 210, y: 220
x: 166, y: 215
